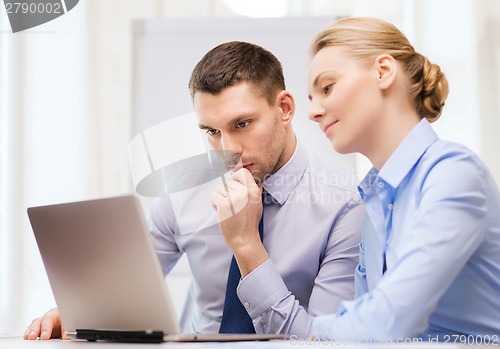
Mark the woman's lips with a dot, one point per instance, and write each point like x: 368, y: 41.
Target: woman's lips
x: 328, y: 126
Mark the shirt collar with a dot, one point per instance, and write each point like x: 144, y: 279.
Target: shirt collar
x: 365, y: 187
x: 281, y: 184
x: 407, y: 154
x: 402, y: 160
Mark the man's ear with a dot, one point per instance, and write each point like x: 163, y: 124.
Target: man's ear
x: 286, y: 103
x: 386, y: 69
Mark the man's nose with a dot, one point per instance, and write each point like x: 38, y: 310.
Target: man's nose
x: 231, y: 145
x: 231, y: 149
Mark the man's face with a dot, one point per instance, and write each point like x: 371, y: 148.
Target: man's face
x: 239, y: 121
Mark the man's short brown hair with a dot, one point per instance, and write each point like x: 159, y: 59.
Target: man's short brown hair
x: 236, y: 61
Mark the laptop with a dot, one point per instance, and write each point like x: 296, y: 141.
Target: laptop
x: 105, y: 275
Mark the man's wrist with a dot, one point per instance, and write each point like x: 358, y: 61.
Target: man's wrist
x: 250, y: 257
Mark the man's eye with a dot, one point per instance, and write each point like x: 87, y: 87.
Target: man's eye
x: 212, y: 132
x: 242, y: 124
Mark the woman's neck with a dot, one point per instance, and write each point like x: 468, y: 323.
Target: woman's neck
x: 392, y: 130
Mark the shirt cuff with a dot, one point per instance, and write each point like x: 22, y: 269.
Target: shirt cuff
x: 262, y: 289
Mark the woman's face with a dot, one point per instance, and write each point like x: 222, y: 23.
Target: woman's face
x: 345, y: 98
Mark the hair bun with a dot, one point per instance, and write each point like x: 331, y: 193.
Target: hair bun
x: 434, y: 92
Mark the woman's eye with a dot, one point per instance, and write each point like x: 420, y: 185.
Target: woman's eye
x: 242, y: 124
x: 212, y: 132
x: 327, y: 88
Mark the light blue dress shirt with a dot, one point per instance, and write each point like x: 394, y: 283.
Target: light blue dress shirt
x: 312, y: 231
x: 433, y: 211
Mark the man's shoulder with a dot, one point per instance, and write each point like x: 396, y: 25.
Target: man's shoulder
x: 161, y: 209
x: 329, y: 172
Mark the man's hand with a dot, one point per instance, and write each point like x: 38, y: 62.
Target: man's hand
x: 239, y: 207
x: 46, y: 327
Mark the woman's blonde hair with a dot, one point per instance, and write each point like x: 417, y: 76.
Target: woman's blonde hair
x: 368, y: 37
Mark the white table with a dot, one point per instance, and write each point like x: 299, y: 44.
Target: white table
x: 20, y: 343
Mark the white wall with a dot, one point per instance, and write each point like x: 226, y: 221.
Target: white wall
x: 486, y: 50
x: 46, y: 139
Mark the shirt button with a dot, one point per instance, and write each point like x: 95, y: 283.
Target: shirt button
x: 380, y: 184
x: 247, y: 305
x: 390, y: 206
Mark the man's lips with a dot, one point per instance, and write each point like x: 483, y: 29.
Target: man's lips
x: 329, y: 125
x: 239, y: 166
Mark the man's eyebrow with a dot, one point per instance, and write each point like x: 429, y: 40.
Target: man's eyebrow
x: 231, y: 122
x: 205, y: 127
x: 239, y: 118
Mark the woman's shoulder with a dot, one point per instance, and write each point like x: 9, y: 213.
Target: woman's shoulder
x: 450, y: 168
x: 451, y: 154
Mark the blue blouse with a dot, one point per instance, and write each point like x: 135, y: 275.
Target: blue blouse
x: 433, y: 219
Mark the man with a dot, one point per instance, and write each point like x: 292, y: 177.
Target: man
x: 304, y: 265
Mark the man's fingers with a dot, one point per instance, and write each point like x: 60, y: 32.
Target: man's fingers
x: 217, y: 199
x: 221, y: 205
x: 228, y: 195
x: 228, y: 185
x: 64, y: 335
x: 244, y: 177
x: 47, y: 328
x: 33, y: 329
x: 225, y: 193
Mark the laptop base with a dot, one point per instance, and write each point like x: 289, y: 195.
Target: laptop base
x: 121, y: 336
x: 150, y: 336
x: 222, y: 337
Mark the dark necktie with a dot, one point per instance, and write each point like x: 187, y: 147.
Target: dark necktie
x: 235, y: 318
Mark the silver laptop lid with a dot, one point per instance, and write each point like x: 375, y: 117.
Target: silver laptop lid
x: 102, y: 267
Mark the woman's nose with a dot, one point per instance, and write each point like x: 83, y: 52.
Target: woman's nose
x: 316, y: 112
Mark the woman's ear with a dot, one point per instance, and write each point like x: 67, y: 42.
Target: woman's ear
x: 386, y: 68
x: 286, y: 103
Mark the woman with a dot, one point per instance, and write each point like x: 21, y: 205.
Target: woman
x: 430, y: 253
